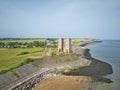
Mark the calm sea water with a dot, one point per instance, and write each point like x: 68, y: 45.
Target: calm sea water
x: 108, y: 51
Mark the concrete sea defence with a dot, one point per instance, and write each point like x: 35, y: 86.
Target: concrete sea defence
x: 35, y: 79
x: 33, y: 73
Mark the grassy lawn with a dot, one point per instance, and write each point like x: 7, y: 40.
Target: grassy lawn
x: 13, y: 57
x: 9, y: 58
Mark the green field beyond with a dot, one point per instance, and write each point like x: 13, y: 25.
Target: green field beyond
x: 10, y: 58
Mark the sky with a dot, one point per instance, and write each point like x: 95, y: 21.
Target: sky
x: 99, y: 19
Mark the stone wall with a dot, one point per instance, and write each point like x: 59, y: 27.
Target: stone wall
x: 6, y: 79
x: 9, y: 79
x: 32, y: 81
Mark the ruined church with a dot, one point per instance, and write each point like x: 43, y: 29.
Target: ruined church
x: 64, y: 45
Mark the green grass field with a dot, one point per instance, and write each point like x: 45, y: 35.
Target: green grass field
x: 9, y: 58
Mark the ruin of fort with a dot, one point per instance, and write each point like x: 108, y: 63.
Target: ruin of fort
x: 64, y: 45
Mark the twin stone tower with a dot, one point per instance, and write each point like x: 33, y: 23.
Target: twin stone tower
x: 64, y: 45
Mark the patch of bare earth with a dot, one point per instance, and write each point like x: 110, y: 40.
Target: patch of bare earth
x: 64, y: 83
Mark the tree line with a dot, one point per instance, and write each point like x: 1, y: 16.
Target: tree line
x: 22, y: 44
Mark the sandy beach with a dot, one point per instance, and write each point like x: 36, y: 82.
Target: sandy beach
x: 65, y: 83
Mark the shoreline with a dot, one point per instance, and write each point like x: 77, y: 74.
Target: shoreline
x: 86, y: 65
x: 95, y: 71
x: 95, y: 41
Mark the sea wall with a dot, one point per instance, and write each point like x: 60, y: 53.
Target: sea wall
x: 17, y: 75
x: 32, y: 81
x: 28, y: 75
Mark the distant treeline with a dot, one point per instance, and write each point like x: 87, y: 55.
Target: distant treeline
x: 27, y: 38
x: 22, y: 44
x: 27, y: 44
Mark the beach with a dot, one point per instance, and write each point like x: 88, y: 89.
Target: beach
x: 65, y: 83
x: 96, y: 69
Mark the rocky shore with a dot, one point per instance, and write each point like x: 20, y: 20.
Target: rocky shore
x: 97, y: 69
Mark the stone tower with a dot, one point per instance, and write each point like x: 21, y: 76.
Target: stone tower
x: 64, y: 45
x: 67, y: 45
x: 60, y: 44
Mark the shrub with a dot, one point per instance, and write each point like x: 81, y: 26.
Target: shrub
x: 28, y: 60
x: 68, y: 70
x: 15, y: 74
x: 3, y: 71
x: 23, y: 53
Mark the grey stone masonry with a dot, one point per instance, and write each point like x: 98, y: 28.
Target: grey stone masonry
x: 64, y: 45
x: 32, y: 81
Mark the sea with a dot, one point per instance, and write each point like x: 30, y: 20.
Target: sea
x: 108, y: 51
